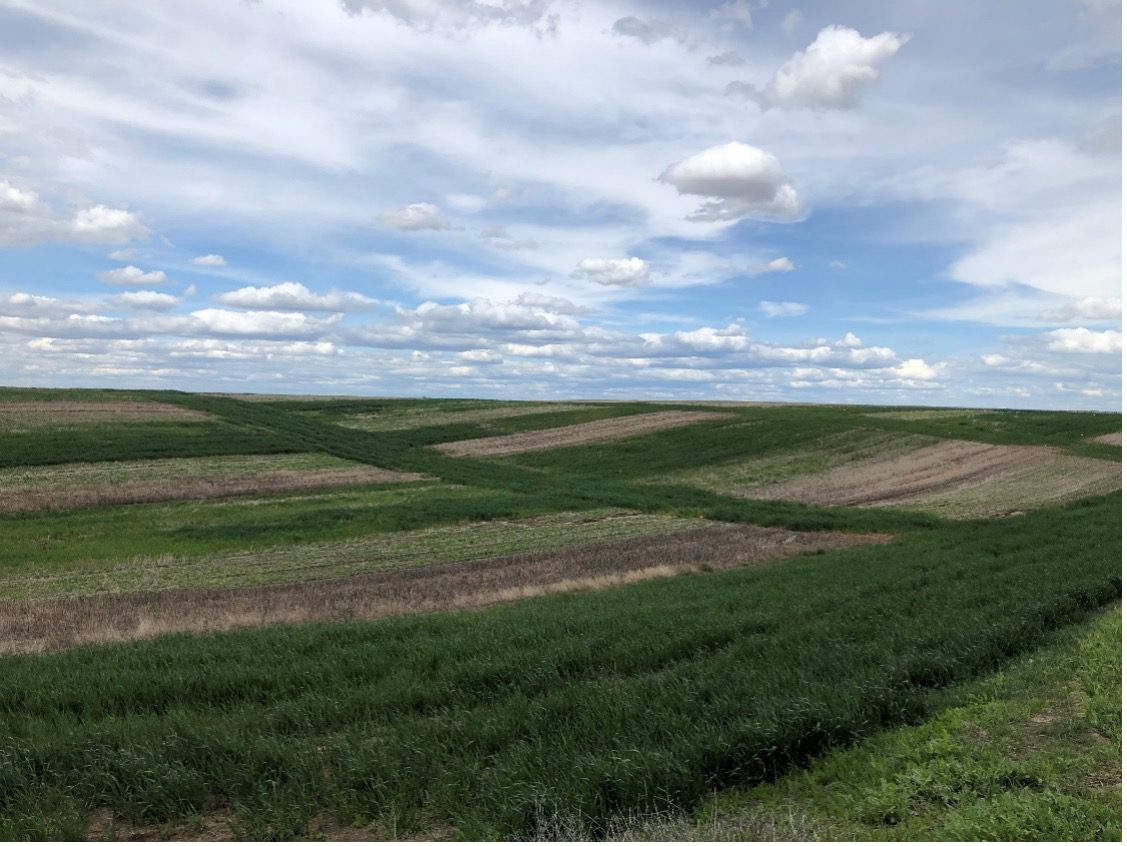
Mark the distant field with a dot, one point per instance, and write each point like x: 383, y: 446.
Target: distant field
x: 480, y: 619
x: 580, y: 433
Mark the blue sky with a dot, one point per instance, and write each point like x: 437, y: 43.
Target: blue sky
x: 894, y: 202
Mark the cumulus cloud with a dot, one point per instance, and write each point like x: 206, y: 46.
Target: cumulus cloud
x: 630, y: 272
x: 36, y: 305
x: 1086, y: 308
x: 210, y: 260
x: 780, y: 265
x: 546, y: 302
x: 103, y: 225
x: 740, y: 180
x: 916, y: 369
x: 288, y: 324
x: 784, y: 309
x: 416, y: 217
x: 130, y: 275
x: 1083, y: 340
x: 293, y: 296
x: 831, y: 71
x: 648, y: 32
x: 146, y: 300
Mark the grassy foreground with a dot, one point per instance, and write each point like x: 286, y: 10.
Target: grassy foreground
x: 488, y: 724
x: 1031, y: 753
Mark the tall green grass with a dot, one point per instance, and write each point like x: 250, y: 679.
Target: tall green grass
x: 594, y: 704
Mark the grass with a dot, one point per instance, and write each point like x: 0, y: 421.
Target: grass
x: 601, y: 704
x: 1031, y: 753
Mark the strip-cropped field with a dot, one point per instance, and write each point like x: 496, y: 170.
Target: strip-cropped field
x: 50, y: 487
x: 412, y: 417
x: 23, y: 415
x: 54, y: 624
x: 303, y: 562
x: 615, y: 428
x: 955, y: 478
x: 1113, y: 438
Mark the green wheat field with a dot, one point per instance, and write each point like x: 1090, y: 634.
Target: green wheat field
x: 332, y: 618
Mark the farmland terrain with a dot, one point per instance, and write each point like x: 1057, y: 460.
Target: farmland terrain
x: 266, y: 617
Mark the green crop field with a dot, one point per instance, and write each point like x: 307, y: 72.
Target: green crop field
x: 675, y: 627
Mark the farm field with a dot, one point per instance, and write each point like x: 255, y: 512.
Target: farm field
x: 265, y: 617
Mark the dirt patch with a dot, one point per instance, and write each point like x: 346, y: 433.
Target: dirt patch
x: 1113, y: 438
x: 34, y: 626
x: 612, y: 429
x: 22, y: 415
x: 209, y: 487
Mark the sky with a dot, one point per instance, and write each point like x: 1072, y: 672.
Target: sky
x: 877, y: 201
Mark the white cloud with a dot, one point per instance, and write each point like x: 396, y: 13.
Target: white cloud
x: 743, y: 181
x: 780, y: 265
x: 784, y: 309
x: 1087, y: 308
x: 648, y: 32
x: 146, y: 300
x: 36, y: 305
x: 628, y: 272
x: 416, y: 217
x: 123, y: 255
x: 838, y: 264
x: 458, y: 15
x: 293, y: 296
x: 217, y: 321
x: 210, y: 260
x: 131, y: 275
x: 830, y: 72
x: 103, y: 225
x: 498, y: 237
x: 548, y: 303
x: 732, y: 14
x: 1083, y: 340
x: 918, y: 370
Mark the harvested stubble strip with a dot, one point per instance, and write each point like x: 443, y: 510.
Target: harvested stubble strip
x: 218, y: 486
x: 613, y: 429
x: 32, y: 626
x: 21, y: 415
x: 948, y: 466
x: 1113, y: 438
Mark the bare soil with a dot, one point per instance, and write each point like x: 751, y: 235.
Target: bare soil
x: 1113, y: 438
x: 615, y: 428
x: 944, y: 466
x: 201, y: 488
x: 34, y: 626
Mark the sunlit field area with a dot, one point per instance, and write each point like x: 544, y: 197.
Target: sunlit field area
x: 258, y: 617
